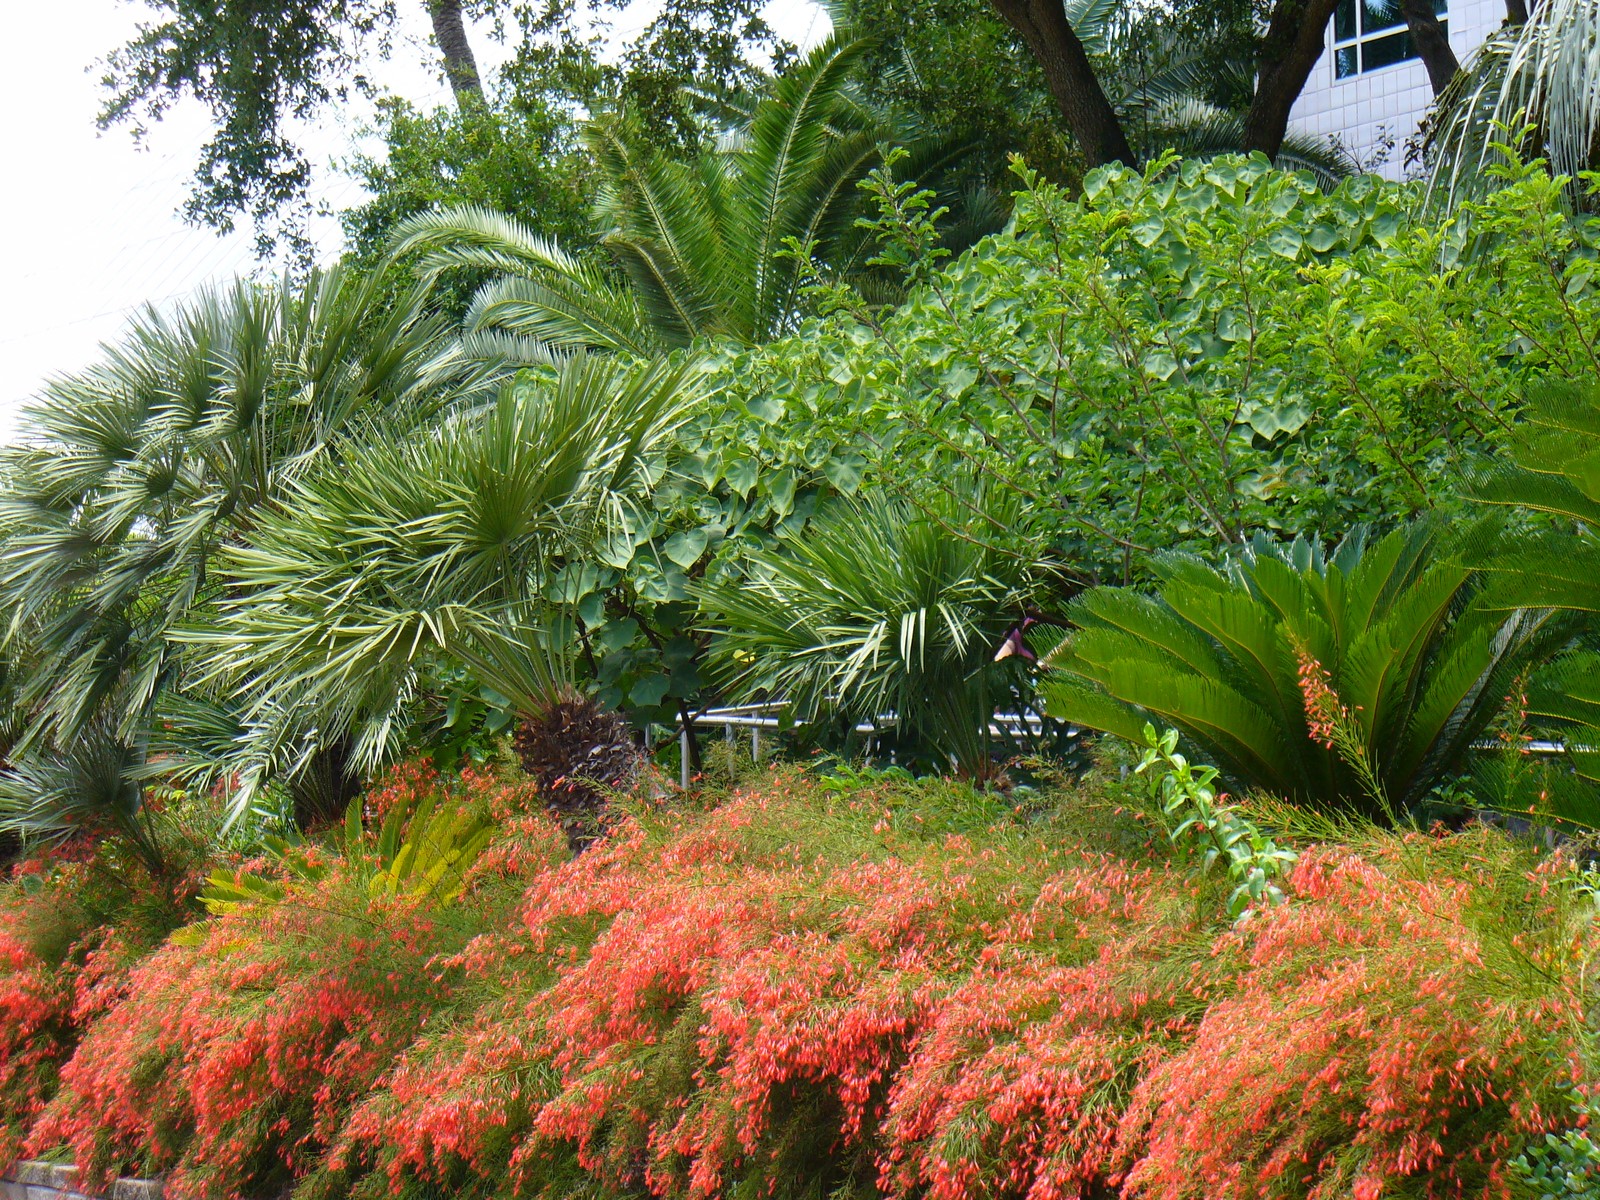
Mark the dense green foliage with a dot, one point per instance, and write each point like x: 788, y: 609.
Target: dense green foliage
x: 1179, y: 358
x: 722, y: 395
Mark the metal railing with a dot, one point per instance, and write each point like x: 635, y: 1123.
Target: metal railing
x: 756, y: 717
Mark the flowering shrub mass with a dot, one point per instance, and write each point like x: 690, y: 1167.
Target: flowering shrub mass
x: 895, y: 990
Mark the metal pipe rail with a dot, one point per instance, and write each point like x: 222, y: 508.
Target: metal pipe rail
x: 749, y: 716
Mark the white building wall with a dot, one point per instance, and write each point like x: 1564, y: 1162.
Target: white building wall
x: 1359, y: 110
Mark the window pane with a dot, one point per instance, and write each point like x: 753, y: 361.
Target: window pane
x: 1386, y: 51
x: 1380, y: 14
x: 1441, y: 7
x: 1344, y: 21
x: 1344, y: 62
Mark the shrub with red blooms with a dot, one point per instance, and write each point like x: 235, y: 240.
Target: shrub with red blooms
x: 35, y: 1019
x: 238, y: 1048
x: 779, y: 998
x: 880, y: 994
x: 1381, y: 1030
x: 230, y: 1060
x: 73, y: 920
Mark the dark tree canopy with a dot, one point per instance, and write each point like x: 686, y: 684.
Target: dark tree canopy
x: 255, y: 64
x: 1067, y: 85
x: 258, y: 65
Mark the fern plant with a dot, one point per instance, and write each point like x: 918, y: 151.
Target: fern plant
x: 1352, y: 680
x: 423, y: 856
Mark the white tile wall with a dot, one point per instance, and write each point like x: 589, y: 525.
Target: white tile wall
x: 1358, y: 110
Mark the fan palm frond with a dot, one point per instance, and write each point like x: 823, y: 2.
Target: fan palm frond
x: 438, y: 545
x: 131, y: 476
x: 881, y: 609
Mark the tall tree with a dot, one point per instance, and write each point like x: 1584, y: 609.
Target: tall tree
x: 460, y: 66
x: 702, y: 248
x: 1293, y: 43
x: 1431, y: 43
x: 1284, y: 53
x: 1047, y: 31
x: 259, y: 65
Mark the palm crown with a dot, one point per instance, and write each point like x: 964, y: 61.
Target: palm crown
x: 133, y: 474
x: 701, y: 248
x: 1323, y: 677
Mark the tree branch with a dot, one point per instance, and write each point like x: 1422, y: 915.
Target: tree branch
x: 1431, y: 42
x: 1292, y: 46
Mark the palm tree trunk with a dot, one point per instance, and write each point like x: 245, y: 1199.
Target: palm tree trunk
x: 460, y: 67
x: 1293, y: 43
x: 1044, y: 29
x: 321, y: 792
x: 1516, y: 12
x: 1431, y: 42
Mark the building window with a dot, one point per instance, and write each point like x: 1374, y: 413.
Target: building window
x: 1369, y: 34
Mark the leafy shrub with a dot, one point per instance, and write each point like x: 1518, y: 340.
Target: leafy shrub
x: 1564, y: 1166
x: 1179, y: 357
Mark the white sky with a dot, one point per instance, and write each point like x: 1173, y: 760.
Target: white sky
x: 94, y: 231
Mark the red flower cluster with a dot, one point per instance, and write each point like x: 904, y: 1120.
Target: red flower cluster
x: 690, y: 1012
x: 795, y: 993
x: 232, y: 1059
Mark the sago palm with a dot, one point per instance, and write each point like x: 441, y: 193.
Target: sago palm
x: 1354, y: 680
x: 884, y: 609
x: 1554, y: 470
x: 699, y: 248
x: 440, y: 547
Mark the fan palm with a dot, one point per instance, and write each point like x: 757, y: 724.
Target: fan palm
x: 132, y: 475
x: 700, y: 248
x: 881, y: 609
x: 1543, y: 73
x: 439, y: 547
x: 86, y: 787
x: 1354, y: 680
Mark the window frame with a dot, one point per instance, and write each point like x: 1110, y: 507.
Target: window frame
x: 1358, y: 41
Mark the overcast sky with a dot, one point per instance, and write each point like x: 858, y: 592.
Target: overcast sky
x: 94, y: 231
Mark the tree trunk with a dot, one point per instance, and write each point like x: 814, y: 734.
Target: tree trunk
x: 1292, y: 46
x: 325, y: 787
x: 1044, y: 29
x: 460, y: 67
x: 1431, y: 43
x: 1516, y: 12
